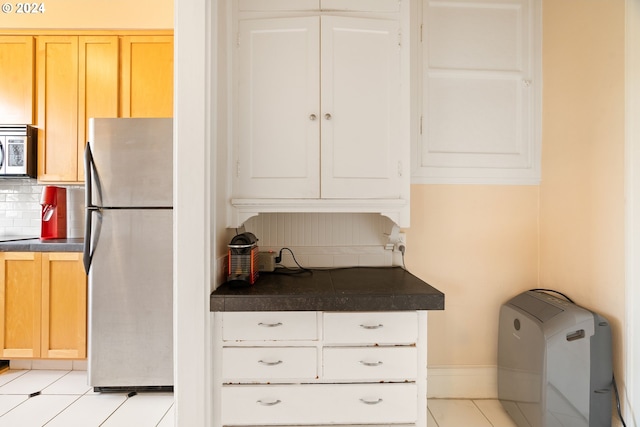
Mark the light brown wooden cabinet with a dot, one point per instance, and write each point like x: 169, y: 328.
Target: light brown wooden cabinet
x: 43, y: 305
x: 57, y: 80
x: 16, y: 79
x: 79, y: 77
x: 146, y: 74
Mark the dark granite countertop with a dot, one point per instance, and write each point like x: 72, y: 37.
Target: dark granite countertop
x: 343, y: 289
x: 38, y: 245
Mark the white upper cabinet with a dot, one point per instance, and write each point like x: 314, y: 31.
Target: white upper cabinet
x: 319, y: 112
x: 360, y: 109
x: 278, y: 109
x: 481, y: 92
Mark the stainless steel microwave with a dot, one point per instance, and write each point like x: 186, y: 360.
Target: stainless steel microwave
x: 18, y: 150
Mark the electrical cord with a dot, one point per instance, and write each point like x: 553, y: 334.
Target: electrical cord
x: 554, y: 291
x: 615, y: 389
x: 301, y: 268
x: 402, y: 249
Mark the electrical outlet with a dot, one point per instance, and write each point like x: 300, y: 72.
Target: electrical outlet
x: 401, y: 244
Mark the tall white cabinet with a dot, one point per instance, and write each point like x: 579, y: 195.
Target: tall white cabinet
x: 321, y: 113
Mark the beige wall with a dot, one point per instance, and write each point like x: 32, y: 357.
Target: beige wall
x: 478, y: 245
x: 94, y: 14
x: 481, y: 245
x: 582, y: 191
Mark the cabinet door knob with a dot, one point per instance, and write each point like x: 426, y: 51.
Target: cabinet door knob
x: 327, y: 116
x: 312, y: 117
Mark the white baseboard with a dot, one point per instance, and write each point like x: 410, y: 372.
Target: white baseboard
x: 462, y: 382
x: 49, y: 364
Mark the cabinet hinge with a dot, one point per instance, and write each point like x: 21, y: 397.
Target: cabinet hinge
x: 238, y: 169
x: 421, y: 26
x: 400, y: 38
x: 238, y: 39
x: 421, y: 118
x: 400, y: 169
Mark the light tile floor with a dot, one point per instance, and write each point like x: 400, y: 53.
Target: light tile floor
x: 65, y: 400
x: 58, y: 398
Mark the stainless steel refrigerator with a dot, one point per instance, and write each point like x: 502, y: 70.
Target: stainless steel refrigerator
x: 128, y: 253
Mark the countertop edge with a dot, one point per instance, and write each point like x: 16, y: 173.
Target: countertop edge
x: 323, y: 294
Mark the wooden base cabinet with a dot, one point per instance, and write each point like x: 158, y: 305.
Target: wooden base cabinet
x: 43, y: 305
x: 320, y: 368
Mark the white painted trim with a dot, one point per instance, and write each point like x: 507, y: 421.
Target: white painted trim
x: 193, y: 199
x: 630, y: 386
x: 462, y: 382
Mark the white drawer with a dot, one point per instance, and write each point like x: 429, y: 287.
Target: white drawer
x: 269, y: 326
x: 319, y: 404
x: 370, y: 363
x: 371, y: 328
x: 269, y: 363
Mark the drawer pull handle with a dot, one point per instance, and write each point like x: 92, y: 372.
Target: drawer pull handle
x: 378, y: 326
x: 270, y: 325
x: 365, y: 363
x: 270, y: 363
x: 268, y: 403
x: 371, y: 402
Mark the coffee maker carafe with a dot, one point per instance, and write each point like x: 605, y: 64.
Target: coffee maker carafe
x: 54, y: 213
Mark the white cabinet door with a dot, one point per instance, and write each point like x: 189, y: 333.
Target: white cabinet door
x: 360, y: 103
x: 278, y: 100
x: 319, y: 109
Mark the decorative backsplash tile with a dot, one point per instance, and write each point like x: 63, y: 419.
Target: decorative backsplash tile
x: 20, y: 209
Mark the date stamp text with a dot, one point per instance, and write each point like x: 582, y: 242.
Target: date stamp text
x: 23, y: 8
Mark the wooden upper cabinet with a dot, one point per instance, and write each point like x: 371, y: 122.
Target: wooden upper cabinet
x: 20, y: 299
x: 77, y: 80
x: 57, y: 69
x: 16, y: 79
x: 87, y: 75
x: 97, y: 86
x: 146, y: 76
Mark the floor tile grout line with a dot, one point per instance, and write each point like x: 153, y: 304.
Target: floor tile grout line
x: 432, y: 417
x: 116, y: 409
x: 165, y: 414
x: 10, y: 381
x: 483, y: 414
x: 14, y: 407
x: 63, y: 409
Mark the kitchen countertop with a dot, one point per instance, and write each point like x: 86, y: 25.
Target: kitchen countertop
x: 343, y: 289
x: 38, y: 245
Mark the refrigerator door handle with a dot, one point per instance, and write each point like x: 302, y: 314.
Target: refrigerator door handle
x: 92, y: 180
x: 90, y: 173
x: 89, y: 239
